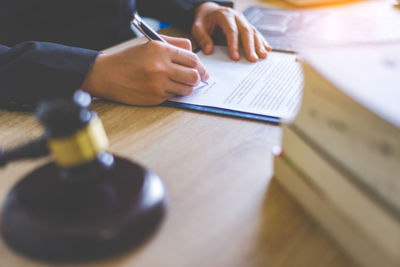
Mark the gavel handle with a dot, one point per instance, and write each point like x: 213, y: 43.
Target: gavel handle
x: 34, y: 149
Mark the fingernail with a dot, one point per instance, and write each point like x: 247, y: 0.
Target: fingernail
x: 207, y: 48
x: 263, y: 50
x: 263, y: 55
x: 236, y: 56
x: 206, y: 76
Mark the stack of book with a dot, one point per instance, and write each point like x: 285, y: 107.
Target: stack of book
x: 340, y: 156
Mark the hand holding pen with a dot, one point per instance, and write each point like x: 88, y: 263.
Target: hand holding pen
x: 148, y: 32
x: 146, y: 74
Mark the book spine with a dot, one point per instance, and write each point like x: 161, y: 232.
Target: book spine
x: 345, y: 233
x: 323, y: 172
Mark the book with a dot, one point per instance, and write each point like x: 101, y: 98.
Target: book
x: 351, y: 109
x: 331, y: 218
x: 267, y: 90
x: 359, y: 22
x: 374, y: 221
x: 343, y: 148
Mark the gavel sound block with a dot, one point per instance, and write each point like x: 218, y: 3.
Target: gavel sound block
x: 87, y: 203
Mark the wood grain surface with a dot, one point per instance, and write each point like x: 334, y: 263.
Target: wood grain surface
x: 225, y: 210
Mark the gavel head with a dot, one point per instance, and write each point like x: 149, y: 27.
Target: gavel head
x: 75, y: 135
x: 64, y: 116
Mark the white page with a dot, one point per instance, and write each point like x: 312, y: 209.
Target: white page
x: 269, y: 87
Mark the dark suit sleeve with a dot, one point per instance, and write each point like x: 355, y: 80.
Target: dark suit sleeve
x: 177, y: 12
x: 32, y: 71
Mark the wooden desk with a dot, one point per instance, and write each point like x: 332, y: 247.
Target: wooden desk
x: 225, y: 210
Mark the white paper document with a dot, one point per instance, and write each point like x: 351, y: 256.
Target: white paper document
x: 270, y: 87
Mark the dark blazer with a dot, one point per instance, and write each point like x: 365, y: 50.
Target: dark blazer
x: 48, y: 46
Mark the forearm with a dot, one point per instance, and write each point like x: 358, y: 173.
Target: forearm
x: 32, y: 71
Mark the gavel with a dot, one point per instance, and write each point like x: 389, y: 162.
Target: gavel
x: 85, y: 203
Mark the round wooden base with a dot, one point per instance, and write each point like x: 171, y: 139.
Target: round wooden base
x: 51, y: 218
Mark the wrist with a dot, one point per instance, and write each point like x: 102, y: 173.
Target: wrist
x: 94, y: 81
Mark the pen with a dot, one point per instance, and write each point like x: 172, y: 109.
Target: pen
x: 144, y: 29
x: 148, y: 32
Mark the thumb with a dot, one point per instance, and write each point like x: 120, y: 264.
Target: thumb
x: 202, y: 37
